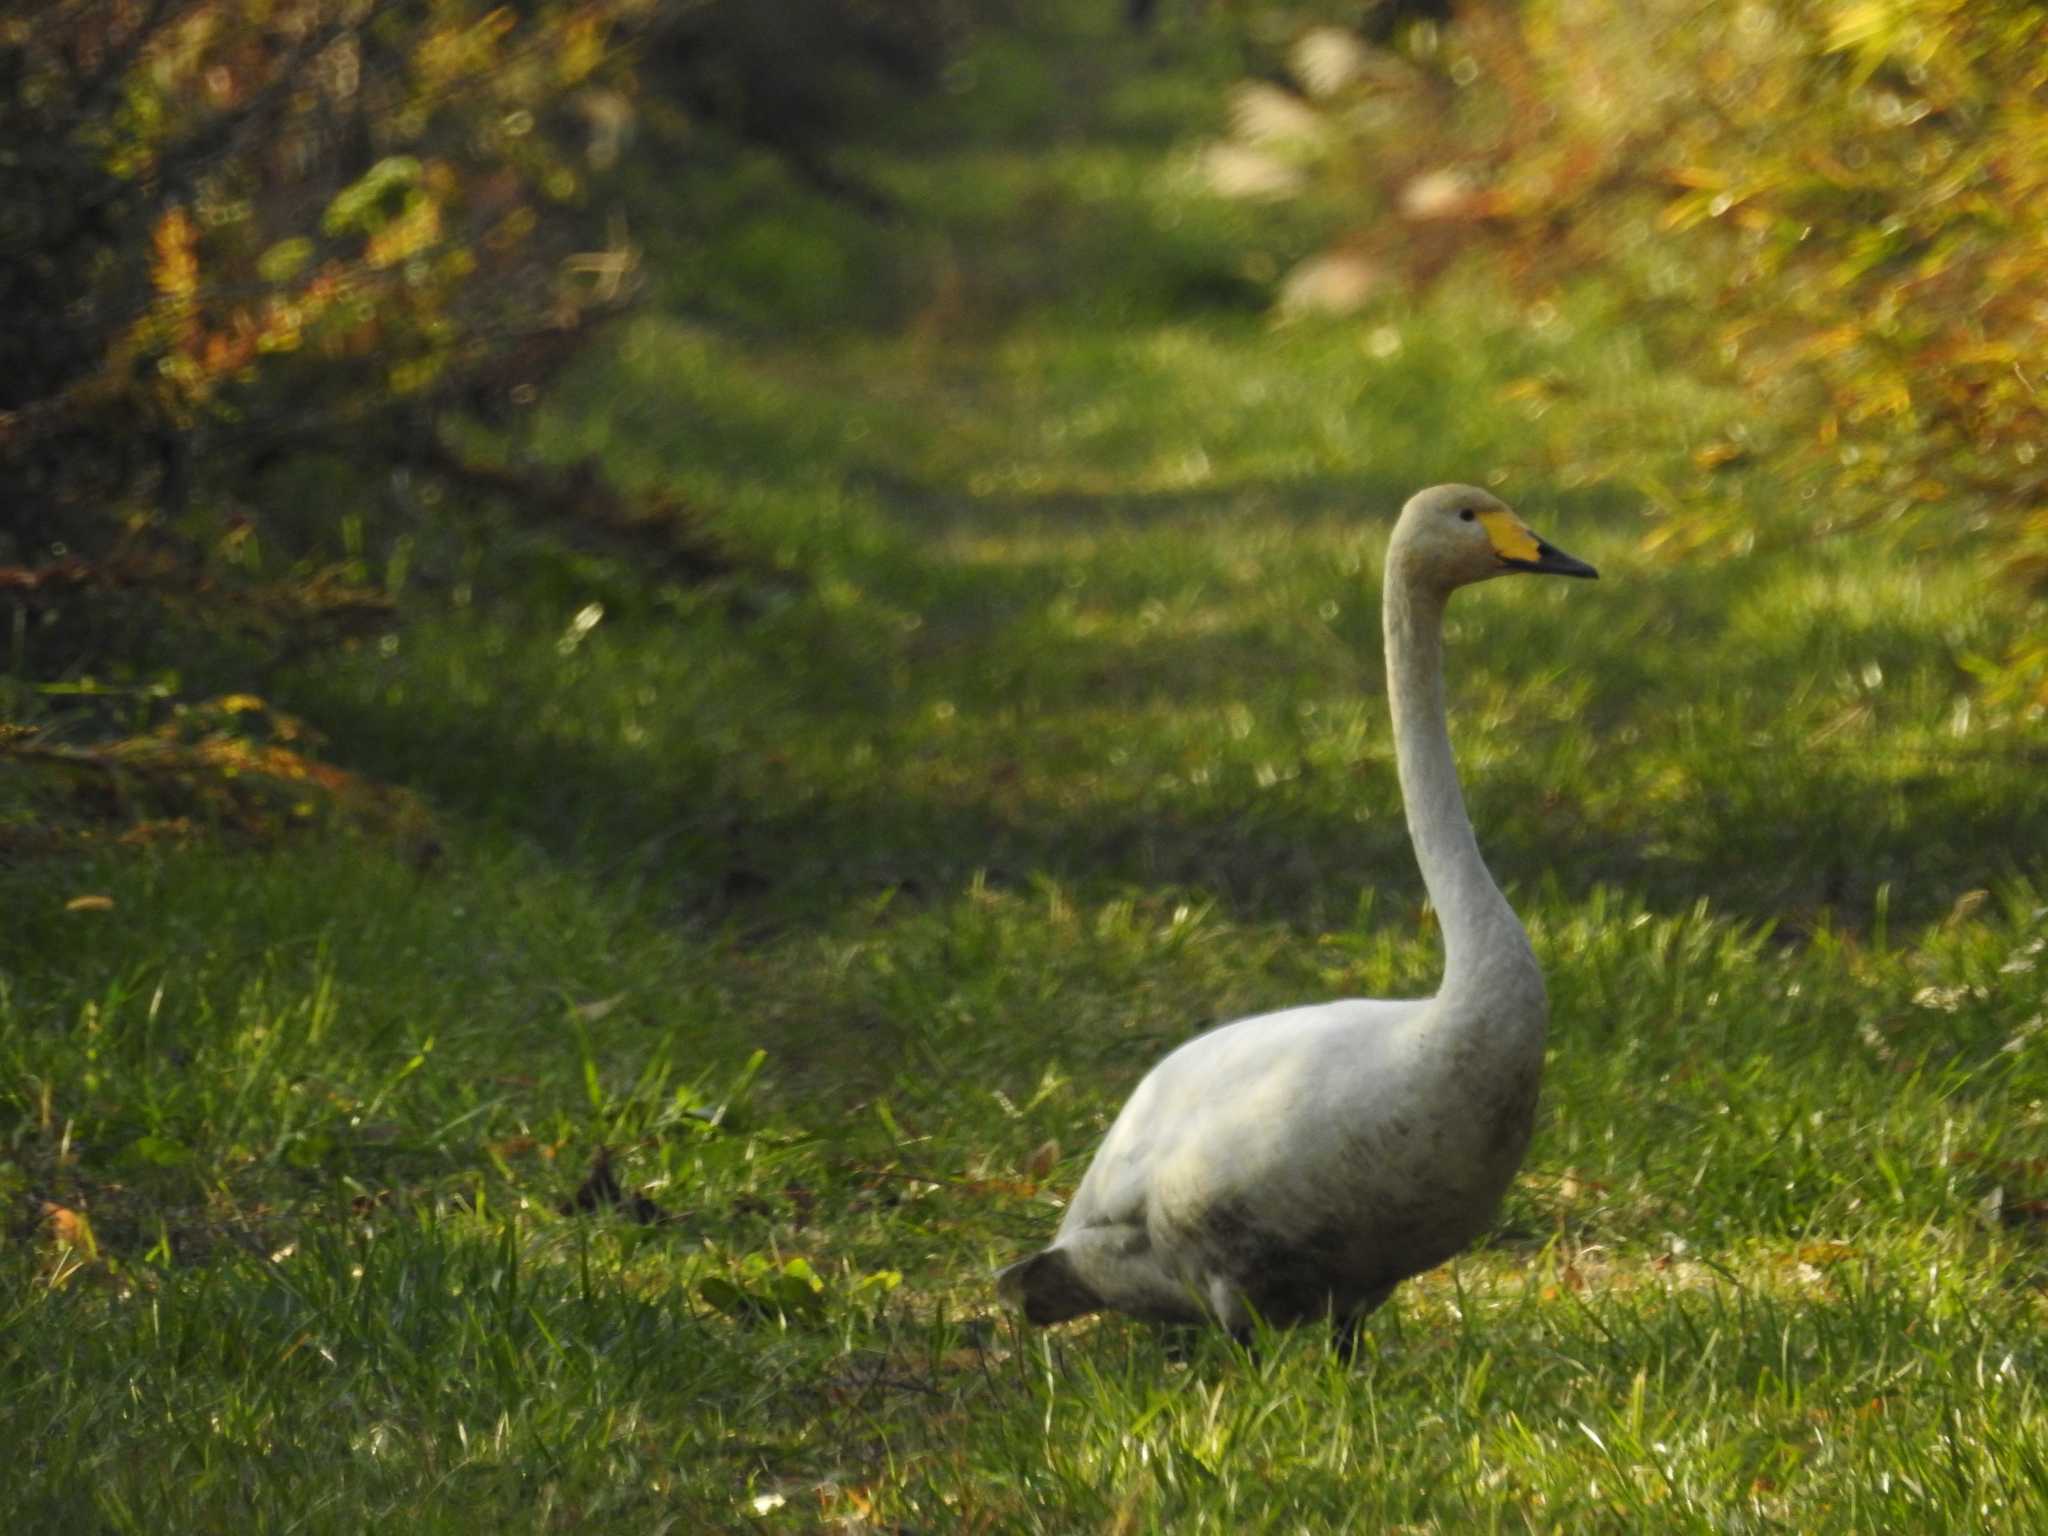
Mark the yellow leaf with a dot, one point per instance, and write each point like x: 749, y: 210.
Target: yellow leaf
x: 175, y: 270
x: 71, y: 1229
x: 284, y: 260
x: 1825, y: 1251
x: 1827, y: 343
x: 1714, y: 455
x: 89, y: 904
x: 1996, y: 353
x: 1698, y: 177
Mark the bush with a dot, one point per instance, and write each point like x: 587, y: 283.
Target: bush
x: 248, y: 247
x: 1842, y: 204
x: 234, y: 233
x: 237, y: 226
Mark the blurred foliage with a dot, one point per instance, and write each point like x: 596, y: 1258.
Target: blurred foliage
x: 801, y: 76
x: 231, y: 231
x: 230, y: 766
x: 1842, y: 203
x: 233, y: 225
x: 236, y: 231
x: 256, y: 255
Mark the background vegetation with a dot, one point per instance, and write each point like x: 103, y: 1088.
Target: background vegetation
x: 1832, y: 206
x: 621, y: 737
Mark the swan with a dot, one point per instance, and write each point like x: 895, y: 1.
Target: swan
x: 1299, y: 1165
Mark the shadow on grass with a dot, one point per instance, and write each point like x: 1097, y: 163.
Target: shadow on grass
x: 767, y: 822
x: 929, y: 509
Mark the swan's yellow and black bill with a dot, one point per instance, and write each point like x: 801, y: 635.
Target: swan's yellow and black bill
x: 1516, y: 546
x: 1551, y: 561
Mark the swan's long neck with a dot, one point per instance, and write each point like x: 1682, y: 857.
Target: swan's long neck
x: 1485, y: 947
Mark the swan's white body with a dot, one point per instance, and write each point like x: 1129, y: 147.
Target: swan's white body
x: 1301, y: 1164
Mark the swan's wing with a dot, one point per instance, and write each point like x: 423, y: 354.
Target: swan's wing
x: 1220, y: 1105
x: 1242, y: 1079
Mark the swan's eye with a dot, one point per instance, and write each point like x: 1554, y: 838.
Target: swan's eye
x: 1467, y: 515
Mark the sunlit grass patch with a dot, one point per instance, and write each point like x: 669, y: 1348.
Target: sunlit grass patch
x: 831, y: 909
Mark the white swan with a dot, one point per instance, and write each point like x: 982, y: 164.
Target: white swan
x: 1301, y: 1164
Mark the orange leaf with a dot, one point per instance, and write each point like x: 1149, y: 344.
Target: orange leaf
x: 71, y: 1229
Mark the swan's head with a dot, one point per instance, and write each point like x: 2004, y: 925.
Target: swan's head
x: 1453, y: 535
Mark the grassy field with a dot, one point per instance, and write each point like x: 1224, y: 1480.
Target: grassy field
x: 844, y: 901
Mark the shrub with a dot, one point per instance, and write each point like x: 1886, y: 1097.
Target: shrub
x: 1843, y: 204
x: 235, y: 225
x: 246, y: 244
x: 232, y: 232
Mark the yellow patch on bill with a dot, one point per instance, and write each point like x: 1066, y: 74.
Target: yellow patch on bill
x: 1512, y: 539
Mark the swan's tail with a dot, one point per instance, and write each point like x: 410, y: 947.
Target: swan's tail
x: 1046, y: 1288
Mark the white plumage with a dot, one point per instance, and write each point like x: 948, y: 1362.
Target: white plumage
x: 1301, y: 1164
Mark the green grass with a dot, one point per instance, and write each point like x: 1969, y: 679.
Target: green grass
x: 1063, y: 737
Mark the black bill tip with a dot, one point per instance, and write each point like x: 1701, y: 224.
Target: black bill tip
x: 1552, y: 561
